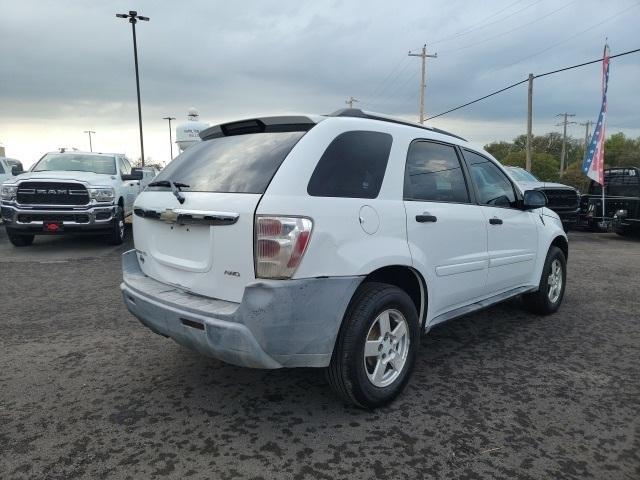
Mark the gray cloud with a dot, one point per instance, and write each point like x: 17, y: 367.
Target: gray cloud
x: 72, y: 60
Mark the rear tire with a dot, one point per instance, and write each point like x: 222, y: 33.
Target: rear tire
x: 20, y: 240
x: 376, y: 348
x: 116, y: 235
x: 550, y: 293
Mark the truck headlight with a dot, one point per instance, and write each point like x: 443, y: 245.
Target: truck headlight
x: 9, y: 192
x: 102, y: 194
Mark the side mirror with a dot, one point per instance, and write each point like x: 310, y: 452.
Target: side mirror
x: 16, y: 170
x: 534, y: 199
x: 134, y: 175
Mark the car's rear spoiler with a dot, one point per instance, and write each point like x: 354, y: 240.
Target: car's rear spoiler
x: 259, y: 125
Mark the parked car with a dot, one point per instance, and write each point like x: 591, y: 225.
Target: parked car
x: 9, y: 168
x: 562, y: 199
x: 333, y: 242
x: 70, y: 192
x: 622, y: 202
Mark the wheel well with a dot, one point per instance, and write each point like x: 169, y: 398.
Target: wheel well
x: 562, y: 244
x: 407, y: 279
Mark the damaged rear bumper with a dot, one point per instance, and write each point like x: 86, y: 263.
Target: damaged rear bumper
x: 278, y: 323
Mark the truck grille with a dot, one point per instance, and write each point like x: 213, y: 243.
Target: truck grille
x: 53, y: 217
x: 52, y: 193
x: 561, y: 198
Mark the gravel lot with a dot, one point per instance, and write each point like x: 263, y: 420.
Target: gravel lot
x: 88, y: 392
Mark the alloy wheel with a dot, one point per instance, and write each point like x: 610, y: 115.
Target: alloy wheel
x: 386, y: 348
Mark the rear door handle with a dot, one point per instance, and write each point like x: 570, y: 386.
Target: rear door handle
x: 495, y: 221
x: 425, y: 217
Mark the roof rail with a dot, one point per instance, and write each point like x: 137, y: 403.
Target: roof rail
x: 357, y: 113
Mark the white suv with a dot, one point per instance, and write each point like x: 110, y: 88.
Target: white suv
x: 334, y: 241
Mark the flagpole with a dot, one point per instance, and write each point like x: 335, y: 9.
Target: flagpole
x: 603, y: 209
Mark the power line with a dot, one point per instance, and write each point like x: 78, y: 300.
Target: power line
x: 393, y: 81
x: 389, y: 98
x: 586, y: 63
x: 391, y: 72
x: 526, y: 80
x: 485, y: 40
x: 481, y: 98
x: 568, y: 38
x: 481, y: 24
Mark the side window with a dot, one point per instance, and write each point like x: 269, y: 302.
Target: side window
x: 1, y: 168
x: 433, y: 173
x: 492, y: 185
x: 352, y: 166
x: 125, y: 167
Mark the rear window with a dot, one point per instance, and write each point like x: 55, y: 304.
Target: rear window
x: 234, y: 164
x: 352, y: 166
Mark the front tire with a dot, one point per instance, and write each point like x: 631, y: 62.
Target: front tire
x: 116, y: 236
x: 20, y: 240
x: 376, y: 348
x: 553, y: 282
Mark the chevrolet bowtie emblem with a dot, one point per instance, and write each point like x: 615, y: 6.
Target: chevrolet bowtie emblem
x: 169, y: 216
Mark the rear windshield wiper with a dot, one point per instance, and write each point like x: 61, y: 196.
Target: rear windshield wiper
x: 160, y: 183
x: 175, y: 188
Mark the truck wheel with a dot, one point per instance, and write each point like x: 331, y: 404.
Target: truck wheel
x: 623, y: 232
x: 20, y: 240
x: 116, y: 236
x: 550, y: 293
x: 376, y: 347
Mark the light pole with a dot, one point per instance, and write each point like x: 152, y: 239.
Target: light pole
x: 170, y: 138
x: 90, y: 144
x: 133, y: 19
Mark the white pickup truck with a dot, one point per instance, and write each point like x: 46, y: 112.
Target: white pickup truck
x: 71, y: 192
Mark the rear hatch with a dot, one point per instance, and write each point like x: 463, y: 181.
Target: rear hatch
x: 205, y: 244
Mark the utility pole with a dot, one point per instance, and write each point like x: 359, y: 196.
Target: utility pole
x: 350, y: 101
x: 133, y: 19
x: 564, y: 123
x: 423, y: 55
x: 90, y: 144
x: 527, y: 164
x: 587, y: 134
x: 170, y: 138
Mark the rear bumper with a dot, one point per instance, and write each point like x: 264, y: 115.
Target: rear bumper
x: 278, y: 323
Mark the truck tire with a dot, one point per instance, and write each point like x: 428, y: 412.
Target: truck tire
x: 116, y: 235
x: 20, y: 240
x: 376, y: 348
x: 553, y: 281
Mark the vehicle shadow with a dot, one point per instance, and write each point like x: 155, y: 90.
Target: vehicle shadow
x: 456, y: 348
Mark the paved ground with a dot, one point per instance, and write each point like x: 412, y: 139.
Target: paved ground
x: 87, y: 392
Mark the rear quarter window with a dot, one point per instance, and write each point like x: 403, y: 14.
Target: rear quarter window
x: 352, y: 166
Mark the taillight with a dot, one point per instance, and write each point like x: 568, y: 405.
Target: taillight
x: 280, y: 244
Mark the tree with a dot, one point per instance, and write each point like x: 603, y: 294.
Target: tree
x: 573, y: 176
x: 543, y: 165
x: 622, y: 151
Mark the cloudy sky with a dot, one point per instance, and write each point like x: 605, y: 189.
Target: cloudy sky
x: 67, y: 65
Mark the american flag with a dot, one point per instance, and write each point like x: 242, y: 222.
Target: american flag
x: 593, y: 165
